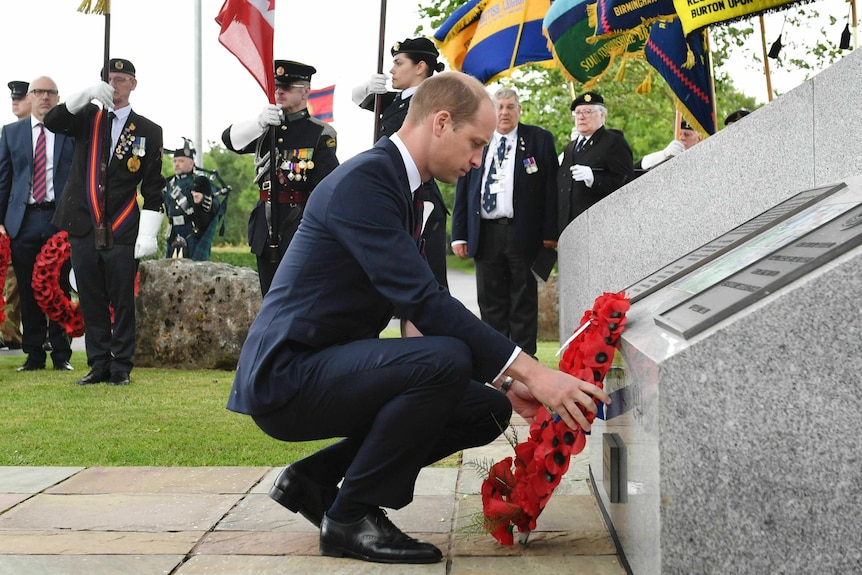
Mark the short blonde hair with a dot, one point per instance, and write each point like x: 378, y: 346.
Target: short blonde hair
x: 455, y: 92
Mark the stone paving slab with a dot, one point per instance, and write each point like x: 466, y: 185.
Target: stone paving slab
x: 162, y: 480
x: 88, y: 564
x: 233, y: 565
x: 65, y: 542
x: 119, y: 512
x: 33, y: 479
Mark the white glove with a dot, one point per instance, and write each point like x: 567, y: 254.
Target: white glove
x: 375, y: 85
x: 675, y: 148
x: 148, y: 227
x: 583, y: 174
x: 269, y: 116
x: 244, y: 133
x: 650, y: 161
x: 101, y: 92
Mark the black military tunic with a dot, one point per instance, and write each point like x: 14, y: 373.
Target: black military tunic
x: 189, y: 220
x: 305, y: 155
x: 394, y: 111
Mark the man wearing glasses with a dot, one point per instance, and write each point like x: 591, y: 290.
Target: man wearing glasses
x: 595, y: 164
x: 34, y: 166
x: 304, y: 154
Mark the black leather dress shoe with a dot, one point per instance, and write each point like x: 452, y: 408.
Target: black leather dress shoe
x: 31, y: 365
x: 374, y: 538
x: 63, y: 366
x: 95, y: 376
x: 119, y: 378
x: 300, y: 494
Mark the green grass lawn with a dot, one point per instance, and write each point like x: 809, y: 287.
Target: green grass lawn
x: 165, y: 418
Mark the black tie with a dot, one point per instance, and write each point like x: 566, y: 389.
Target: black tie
x: 580, y: 145
x: 489, y: 200
x: 418, y: 208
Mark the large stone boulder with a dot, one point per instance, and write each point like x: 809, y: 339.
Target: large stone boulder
x: 194, y: 315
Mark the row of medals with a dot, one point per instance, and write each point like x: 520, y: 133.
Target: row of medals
x: 296, y: 170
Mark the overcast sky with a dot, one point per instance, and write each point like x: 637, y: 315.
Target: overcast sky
x: 338, y: 37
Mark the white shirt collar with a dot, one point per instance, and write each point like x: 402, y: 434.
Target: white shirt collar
x: 407, y: 92
x: 413, y: 177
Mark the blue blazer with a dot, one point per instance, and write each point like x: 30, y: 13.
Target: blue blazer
x: 353, y: 263
x: 535, y: 195
x: 16, y: 171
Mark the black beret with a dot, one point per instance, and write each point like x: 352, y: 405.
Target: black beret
x: 121, y: 66
x: 587, y: 98
x: 18, y: 88
x: 186, y: 151
x: 683, y: 125
x: 288, y: 71
x: 421, y: 46
x: 736, y: 116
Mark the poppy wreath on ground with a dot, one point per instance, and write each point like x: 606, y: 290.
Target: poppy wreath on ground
x: 518, y: 488
x: 46, y: 285
x: 5, y: 258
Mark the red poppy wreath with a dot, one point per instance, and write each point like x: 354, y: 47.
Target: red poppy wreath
x: 46, y: 285
x: 518, y: 488
x: 5, y: 258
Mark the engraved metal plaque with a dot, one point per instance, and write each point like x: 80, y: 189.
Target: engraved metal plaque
x: 726, y: 242
x: 837, y: 228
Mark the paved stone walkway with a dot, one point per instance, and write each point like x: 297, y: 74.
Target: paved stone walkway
x: 220, y: 521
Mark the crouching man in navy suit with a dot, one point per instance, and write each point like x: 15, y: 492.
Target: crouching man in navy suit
x: 313, y: 366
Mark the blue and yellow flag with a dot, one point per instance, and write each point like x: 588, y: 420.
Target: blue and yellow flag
x: 612, y: 17
x: 580, y: 56
x: 490, y: 38
x: 684, y: 64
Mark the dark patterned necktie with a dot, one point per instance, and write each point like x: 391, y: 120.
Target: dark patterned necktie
x: 418, y: 208
x: 489, y: 200
x: 580, y: 145
x: 40, y: 165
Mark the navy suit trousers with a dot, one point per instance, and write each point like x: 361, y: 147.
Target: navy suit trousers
x: 400, y: 404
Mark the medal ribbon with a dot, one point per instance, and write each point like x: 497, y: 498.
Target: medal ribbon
x: 94, y: 159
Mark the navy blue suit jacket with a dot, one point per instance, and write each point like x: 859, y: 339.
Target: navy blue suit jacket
x: 16, y: 171
x: 534, y: 195
x: 353, y: 263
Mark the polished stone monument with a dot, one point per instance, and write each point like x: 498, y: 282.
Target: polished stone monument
x: 731, y: 444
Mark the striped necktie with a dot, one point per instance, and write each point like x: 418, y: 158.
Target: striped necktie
x: 40, y: 168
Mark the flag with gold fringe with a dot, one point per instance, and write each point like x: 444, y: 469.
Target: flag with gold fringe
x: 101, y: 7
x: 612, y: 17
x: 580, y: 56
x: 698, y: 14
x: 489, y: 39
x: 683, y: 62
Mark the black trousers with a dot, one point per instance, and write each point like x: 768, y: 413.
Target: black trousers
x: 36, y: 229
x: 106, y: 279
x: 505, y: 285
x: 399, y: 404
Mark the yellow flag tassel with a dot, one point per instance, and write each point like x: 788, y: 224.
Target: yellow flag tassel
x: 592, y: 16
x: 689, y: 59
x: 621, y: 72
x: 101, y: 7
x: 646, y: 85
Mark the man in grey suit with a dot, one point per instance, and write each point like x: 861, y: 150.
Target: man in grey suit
x: 34, y: 166
x: 505, y: 212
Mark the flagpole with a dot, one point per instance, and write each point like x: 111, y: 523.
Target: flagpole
x: 377, y: 97
x: 711, y: 65
x: 103, y: 234
x: 853, y: 12
x: 199, y: 161
x: 765, y: 58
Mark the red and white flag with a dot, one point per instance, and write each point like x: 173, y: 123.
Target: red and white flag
x: 247, y: 31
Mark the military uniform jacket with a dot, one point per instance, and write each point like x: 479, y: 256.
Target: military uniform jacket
x: 394, y: 110
x: 299, y: 137
x: 360, y: 222
x: 610, y: 157
x: 128, y: 169
x: 181, y: 208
